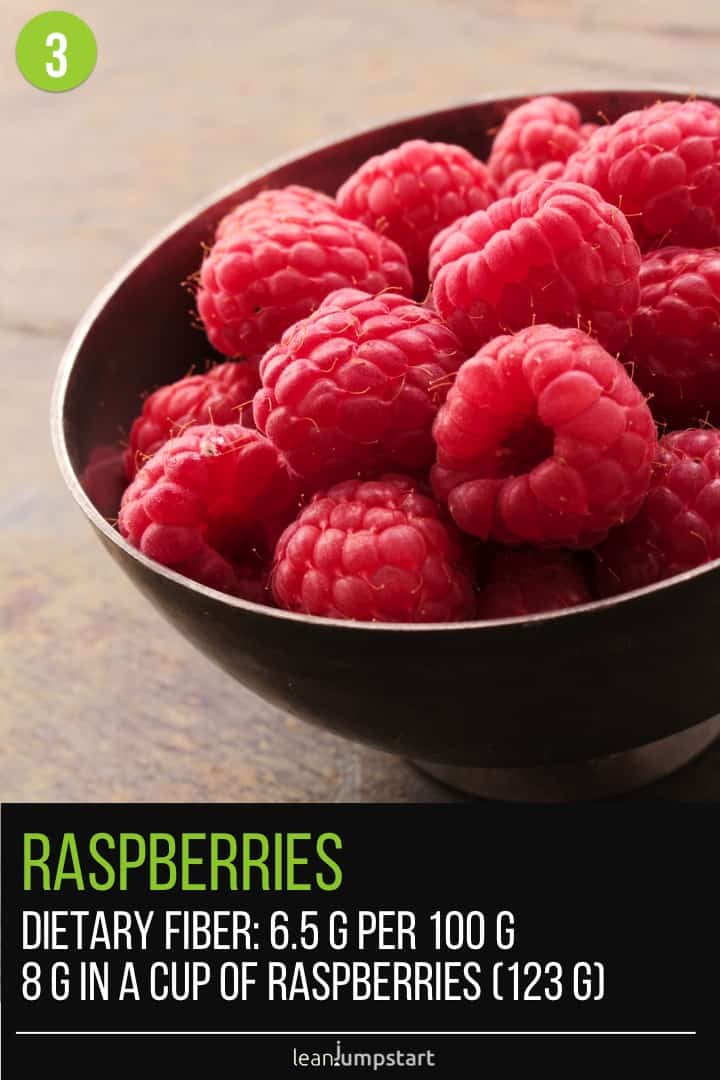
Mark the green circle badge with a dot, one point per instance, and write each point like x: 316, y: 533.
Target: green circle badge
x: 56, y: 51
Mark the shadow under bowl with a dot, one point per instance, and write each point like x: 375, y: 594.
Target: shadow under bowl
x: 572, y: 704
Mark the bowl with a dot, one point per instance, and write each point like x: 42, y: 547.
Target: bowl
x: 580, y: 703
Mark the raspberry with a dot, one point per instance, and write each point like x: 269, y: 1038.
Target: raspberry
x: 353, y: 390
x: 377, y: 550
x: 555, y: 253
x: 522, y: 179
x: 253, y: 581
x: 275, y: 263
x: 661, y: 166
x: 222, y: 395
x: 586, y: 130
x: 103, y: 478
x: 678, y: 526
x: 543, y: 439
x: 414, y: 191
x: 674, y: 351
x: 210, y: 504
x: 276, y: 201
x: 544, y: 129
x: 526, y: 581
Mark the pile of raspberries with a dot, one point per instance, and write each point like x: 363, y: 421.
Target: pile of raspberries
x: 459, y: 389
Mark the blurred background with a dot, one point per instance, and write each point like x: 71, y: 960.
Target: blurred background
x: 100, y: 698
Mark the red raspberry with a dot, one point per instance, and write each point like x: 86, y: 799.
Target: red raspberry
x: 674, y: 351
x: 275, y: 201
x: 103, y: 478
x: 543, y: 129
x: 543, y: 439
x: 414, y: 191
x: 276, y: 263
x: 211, y: 504
x: 353, y: 390
x: 678, y: 526
x: 661, y: 166
x: 522, y: 179
x: 222, y: 395
x: 525, y: 581
x: 253, y: 581
x: 587, y: 130
x: 378, y: 551
x: 555, y: 253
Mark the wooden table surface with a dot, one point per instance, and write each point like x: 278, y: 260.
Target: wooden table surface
x: 101, y: 699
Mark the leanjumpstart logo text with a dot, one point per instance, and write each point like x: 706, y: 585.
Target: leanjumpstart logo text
x: 362, y: 1059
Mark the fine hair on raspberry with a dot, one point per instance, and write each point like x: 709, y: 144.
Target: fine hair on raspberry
x: 543, y: 439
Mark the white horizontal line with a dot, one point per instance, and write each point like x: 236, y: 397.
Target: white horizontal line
x: 391, y: 1034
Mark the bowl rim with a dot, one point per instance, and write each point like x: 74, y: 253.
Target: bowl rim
x: 181, y: 221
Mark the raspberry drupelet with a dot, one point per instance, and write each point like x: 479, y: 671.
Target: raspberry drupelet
x: 523, y: 179
x: 678, y: 526
x: 222, y: 395
x: 277, y: 261
x: 377, y: 550
x: 275, y: 201
x: 527, y: 581
x: 543, y: 439
x: 353, y: 390
x: 544, y: 129
x: 661, y: 167
x: 550, y: 170
x: 555, y: 253
x: 211, y: 504
x: 674, y: 351
x: 412, y: 192
x: 587, y: 130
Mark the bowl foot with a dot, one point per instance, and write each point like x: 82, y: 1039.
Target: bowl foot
x: 598, y: 778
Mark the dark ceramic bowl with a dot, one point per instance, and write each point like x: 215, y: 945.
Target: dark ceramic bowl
x: 573, y: 704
